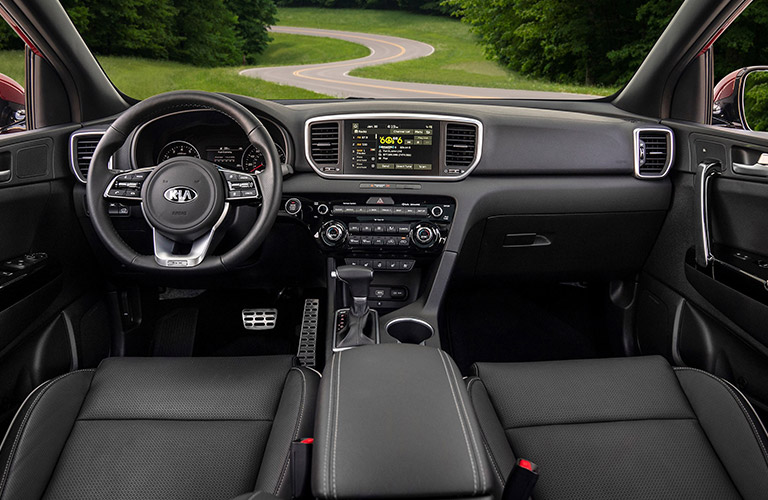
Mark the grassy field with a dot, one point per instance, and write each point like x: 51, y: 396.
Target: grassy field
x: 142, y: 78
x: 458, y: 59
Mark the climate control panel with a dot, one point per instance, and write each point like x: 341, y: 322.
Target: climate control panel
x: 376, y: 225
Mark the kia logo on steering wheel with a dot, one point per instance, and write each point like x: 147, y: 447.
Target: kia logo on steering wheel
x: 180, y: 194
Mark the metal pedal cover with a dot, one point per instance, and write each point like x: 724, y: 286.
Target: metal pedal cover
x: 308, y: 338
x: 259, y: 319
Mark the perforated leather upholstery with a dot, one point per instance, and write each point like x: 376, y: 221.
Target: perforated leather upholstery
x: 630, y: 428
x: 142, y: 428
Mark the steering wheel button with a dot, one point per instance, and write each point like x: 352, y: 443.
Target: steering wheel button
x: 235, y: 194
x: 116, y: 192
x: 132, y: 193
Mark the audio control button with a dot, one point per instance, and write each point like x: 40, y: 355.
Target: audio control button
x: 436, y: 211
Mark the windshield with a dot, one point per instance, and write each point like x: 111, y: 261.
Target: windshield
x: 315, y: 49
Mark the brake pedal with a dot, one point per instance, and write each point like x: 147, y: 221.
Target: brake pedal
x: 308, y: 336
x: 259, y: 319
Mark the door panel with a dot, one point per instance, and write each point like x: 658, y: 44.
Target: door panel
x: 48, y: 283
x: 708, y: 271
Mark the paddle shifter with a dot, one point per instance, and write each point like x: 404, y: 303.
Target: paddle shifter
x: 362, y: 324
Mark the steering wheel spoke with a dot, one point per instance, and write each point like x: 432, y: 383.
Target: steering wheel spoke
x: 127, y: 186
x: 241, y: 186
x: 172, y: 253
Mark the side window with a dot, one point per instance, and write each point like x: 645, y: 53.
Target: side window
x: 13, y: 116
x: 740, y: 97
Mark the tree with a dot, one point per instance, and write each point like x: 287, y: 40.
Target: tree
x: 207, y: 34
x: 141, y: 28
x: 253, y: 18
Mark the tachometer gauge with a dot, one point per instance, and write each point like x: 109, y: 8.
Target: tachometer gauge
x: 253, y: 158
x: 177, y: 148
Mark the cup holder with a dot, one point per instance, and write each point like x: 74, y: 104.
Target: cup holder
x: 409, y: 330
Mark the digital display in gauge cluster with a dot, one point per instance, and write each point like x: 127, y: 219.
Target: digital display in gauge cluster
x: 397, y: 147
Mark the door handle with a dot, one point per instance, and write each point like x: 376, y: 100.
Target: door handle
x: 759, y: 169
x: 5, y: 175
x: 705, y: 171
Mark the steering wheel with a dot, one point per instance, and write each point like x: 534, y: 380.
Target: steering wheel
x: 185, y: 200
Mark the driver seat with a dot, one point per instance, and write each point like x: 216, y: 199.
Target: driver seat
x: 142, y: 428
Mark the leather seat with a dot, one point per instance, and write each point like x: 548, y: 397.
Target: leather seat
x: 143, y: 428
x: 630, y: 428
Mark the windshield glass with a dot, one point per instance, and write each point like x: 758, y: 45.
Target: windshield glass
x: 314, y: 49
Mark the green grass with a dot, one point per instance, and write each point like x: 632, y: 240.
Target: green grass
x: 12, y: 64
x: 141, y: 78
x: 457, y: 60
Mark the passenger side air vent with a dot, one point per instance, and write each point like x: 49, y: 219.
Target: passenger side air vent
x: 324, y: 145
x: 82, y: 146
x: 653, y: 153
x: 460, y: 147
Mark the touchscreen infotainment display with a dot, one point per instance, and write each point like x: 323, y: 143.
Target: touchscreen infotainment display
x: 392, y: 146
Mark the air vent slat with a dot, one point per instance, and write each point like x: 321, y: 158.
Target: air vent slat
x: 324, y: 143
x: 653, y: 154
x: 84, y: 146
x: 460, y: 145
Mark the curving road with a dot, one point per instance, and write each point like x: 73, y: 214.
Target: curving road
x: 333, y: 78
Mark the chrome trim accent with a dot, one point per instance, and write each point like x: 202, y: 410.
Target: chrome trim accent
x: 163, y: 246
x: 109, y: 186
x: 73, y: 152
x: 742, y: 271
x: 708, y: 171
x: 135, y: 137
x: 413, y: 320
x: 404, y: 116
x: 636, y: 151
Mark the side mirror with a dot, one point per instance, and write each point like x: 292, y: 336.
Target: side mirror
x: 741, y: 99
x: 12, y: 105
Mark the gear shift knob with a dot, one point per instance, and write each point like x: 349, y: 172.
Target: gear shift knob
x: 359, y: 279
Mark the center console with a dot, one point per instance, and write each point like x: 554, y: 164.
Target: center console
x: 429, y: 444
x: 393, y: 235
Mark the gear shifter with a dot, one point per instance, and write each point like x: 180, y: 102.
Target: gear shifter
x: 363, y: 322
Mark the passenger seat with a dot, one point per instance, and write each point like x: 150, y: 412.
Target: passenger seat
x: 630, y: 428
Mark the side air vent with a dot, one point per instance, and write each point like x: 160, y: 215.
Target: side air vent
x: 324, y: 145
x: 653, y: 153
x: 460, y: 146
x: 82, y: 146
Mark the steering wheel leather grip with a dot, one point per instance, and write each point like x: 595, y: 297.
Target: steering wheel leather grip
x: 100, y: 177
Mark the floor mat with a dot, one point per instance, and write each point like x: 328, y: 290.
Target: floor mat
x: 511, y: 325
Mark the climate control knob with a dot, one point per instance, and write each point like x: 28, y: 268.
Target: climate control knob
x: 333, y: 233
x: 425, y: 235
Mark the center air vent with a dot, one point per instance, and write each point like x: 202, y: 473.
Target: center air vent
x: 82, y: 147
x: 324, y: 145
x: 653, y: 152
x: 460, y: 146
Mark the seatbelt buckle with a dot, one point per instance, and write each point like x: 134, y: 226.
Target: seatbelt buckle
x: 301, y: 467
x: 521, y: 480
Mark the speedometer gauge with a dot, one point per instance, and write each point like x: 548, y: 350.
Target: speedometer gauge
x: 253, y: 158
x: 177, y: 148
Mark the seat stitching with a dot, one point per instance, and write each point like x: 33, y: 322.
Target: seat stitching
x: 17, y: 439
x: 461, y: 421
x: 327, y: 453
x: 589, y: 422
x: 487, y: 447
x: 731, y: 390
x: 287, y: 461
x: 336, y: 424
x: 472, y: 436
